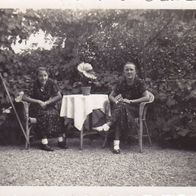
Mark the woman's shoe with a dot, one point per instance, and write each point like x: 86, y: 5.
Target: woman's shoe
x: 46, y: 147
x: 104, y: 127
x: 62, y: 145
x: 99, y: 129
x: 116, y: 151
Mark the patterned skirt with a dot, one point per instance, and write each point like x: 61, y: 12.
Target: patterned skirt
x: 124, y: 119
x: 49, y: 123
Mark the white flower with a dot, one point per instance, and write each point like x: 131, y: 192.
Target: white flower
x: 87, y: 70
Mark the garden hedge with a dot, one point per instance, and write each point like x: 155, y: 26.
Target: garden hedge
x: 161, y: 42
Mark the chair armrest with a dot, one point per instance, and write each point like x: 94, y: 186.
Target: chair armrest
x: 143, y: 106
x: 18, y: 99
x: 26, y: 108
x: 143, y: 109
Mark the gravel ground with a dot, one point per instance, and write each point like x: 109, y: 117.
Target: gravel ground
x: 95, y: 166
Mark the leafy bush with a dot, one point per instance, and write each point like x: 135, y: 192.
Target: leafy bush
x: 160, y: 42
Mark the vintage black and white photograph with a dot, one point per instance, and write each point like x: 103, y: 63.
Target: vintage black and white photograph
x: 97, y: 97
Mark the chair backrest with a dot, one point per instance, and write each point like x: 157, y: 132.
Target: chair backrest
x: 151, y: 96
x: 144, y: 106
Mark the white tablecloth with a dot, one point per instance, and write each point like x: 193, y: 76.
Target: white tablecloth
x: 79, y: 106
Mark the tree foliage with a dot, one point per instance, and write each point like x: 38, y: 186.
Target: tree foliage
x: 161, y: 42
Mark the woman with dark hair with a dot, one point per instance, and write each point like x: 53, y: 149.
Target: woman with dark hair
x: 44, y: 96
x: 126, y: 96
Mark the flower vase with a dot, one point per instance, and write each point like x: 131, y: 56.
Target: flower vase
x: 86, y: 90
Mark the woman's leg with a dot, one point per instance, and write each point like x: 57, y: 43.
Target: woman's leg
x: 117, y: 135
x: 45, y: 146
x: 123, y: 120
x: 56, y: 127
x: 62, y: 141
x: 42, y: 127
x: 118, y: 121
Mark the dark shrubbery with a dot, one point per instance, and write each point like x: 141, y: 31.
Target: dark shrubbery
x: 161, y: 42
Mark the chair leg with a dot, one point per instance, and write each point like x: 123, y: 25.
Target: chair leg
x: 140, y: 135
x: 105, y: 140
x: 27, y: 143
x: 150, y: 141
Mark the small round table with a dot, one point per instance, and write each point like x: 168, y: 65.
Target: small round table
x: 79, y: 106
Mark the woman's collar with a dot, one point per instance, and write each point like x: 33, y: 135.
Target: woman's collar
x: 130, y: 82
x: 39, y: 84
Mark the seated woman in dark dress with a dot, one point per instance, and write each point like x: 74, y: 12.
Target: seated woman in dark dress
x: 44, y: 96
x: 126, y: 96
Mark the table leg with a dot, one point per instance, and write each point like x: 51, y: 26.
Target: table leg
x: 106, y: 135
x: 90, y: 121
x: 81, y: 139
x: 105, y: 140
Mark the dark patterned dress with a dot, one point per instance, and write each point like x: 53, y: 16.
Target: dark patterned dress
x: 124, y: 114
x: 49, y: 122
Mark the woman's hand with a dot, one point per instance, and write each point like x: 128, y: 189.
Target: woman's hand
x: 127, y: 101
x: 42, y: 104
x: 117, y: 100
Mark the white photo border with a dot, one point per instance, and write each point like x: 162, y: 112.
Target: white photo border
x: 97, y: 191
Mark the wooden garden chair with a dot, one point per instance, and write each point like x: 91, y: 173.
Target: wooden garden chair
x: 29, y: 122
x: 141, y: 122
